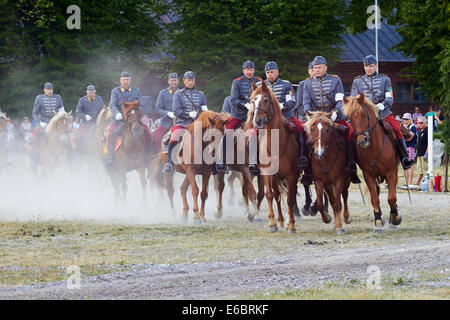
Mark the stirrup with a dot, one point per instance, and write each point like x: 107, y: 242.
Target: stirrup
x: 253, y: 168
x: 351, y: 167
x: 354, y: 178
x: 168, y: 168
x: 220, y: 168
x: 406, y: 163
x: 302, y: 162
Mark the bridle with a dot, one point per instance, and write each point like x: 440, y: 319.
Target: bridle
x: 330, y: 130
x: 129, y: 124
x: 261, y: 122
x: 370, y: 130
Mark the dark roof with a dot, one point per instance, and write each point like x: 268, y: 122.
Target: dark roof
x: 358, y: 46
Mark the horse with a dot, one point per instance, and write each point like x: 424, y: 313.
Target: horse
x: 55, y: 147
x: 328, y: 167
x: 376, y: 157
x: 129, y: 151
x: 267, y: 115
x: 208, y: 120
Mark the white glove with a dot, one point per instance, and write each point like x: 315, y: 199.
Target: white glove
x: 88, y: 117
x: 248, y: 105
x: 333, y: 116
x: 119, y: 116
x: 62, y: 109
x: 204, y: 108
x: 43, y: 124
x: 170, y: 114
x: 282, y: 105
x: 380, y: 106
x: 193, y: 114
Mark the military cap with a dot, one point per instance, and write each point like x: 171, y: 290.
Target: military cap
x: 90, y: 88
x: 271, y: 65
x: 319, y: 60
x: 48, y: 85
x: 248, y: 64
x: 173, y: 75
x: 311, y: 65
x: 370, y: 59
x: 125, y: 74
x: 189, y: 75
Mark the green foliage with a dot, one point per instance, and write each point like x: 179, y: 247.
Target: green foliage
x: 213, y: 38
x: 36, y: 46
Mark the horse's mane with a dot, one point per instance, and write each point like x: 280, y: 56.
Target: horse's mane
x: 51, y: 125
x: 353, y: 105
x: 205, y: 118
x: 315, y: 118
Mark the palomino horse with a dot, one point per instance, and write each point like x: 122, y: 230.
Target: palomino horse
x: 55, y: 148
x: 328, y: 167
x: 130, y: 153
x: 376, y: 156
x: 3, y: 142
x: 267, y: 115
x: 208, y: 120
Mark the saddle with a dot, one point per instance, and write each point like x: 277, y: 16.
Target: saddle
x: 290, y: 126
x: 165, y: 142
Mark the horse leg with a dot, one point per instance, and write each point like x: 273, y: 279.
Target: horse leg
x: 261, y: 193
x: 307, y: 210
x: 183, y: 189
x: 247, y: 214
x: 141, y: 172
x: 230, y: 181
x: 170, y: 192
x: 347, y: 218
x: 296, y: 211
x: 220, y: 185
x: 204, y: 195
x: 291, y: 196
x: 326, y: 218
x: 394, y: 218
x: 335, y: 200
x: 190, y: 174
x: 250, y: 195
x: 372, y: 185
x: 124, y: 187
x: 269, y: 197
x: 277, y: 196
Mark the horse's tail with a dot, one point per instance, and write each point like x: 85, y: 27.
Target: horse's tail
x: 155, y: 170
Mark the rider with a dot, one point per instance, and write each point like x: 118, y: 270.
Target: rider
x: 46, y: 105
x: 187, y: 104
x: 324, y: 92
x: 299, y: 99
x: 89, y: 106
x: 241, y: 90
x: 164, y: 109
x: 124, y: 93
x: 226, y: 107
x: 378, y: 89
x: 284, y: 93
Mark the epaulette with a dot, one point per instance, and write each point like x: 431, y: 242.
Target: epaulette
x: 260, y: 79
x: 201, y: 92
x: 357, y: 77
x: 238, y: 78
x: 334, y: 75
x: 384, y: 75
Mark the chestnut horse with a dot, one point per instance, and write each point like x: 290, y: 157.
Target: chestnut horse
x: 130, y: 154
x: 267, y: 115
x: 328, y: 166
x: 376, y: 156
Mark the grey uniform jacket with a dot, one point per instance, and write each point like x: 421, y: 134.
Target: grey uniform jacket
x: 324, y: 94
x: 182, y: 105
x: 44, y: 106
x: 119, y: 95
x: 227, y: 105
x: 164, y: 104
x: 299, y: 100
x: 284, y: 93
x: 377, y: 89
x: 90, y: 107
x: 241, y: 90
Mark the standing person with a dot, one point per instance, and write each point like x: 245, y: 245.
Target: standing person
x: 410, y: 145
x: 416, y: 115
x: 438, y: 117
x: 422, y: 147
x: 164, y: 109
x: 187, y: 104
x: 378, y: 89
x: 46, y: 105
x: 89, y: 106
x: 324, y: 92
x: 241, y: 90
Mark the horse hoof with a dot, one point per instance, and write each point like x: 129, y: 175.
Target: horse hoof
x: 250, y: 218
x: 392, y: 227
x: 395, y: 219
x: 203, y: 220
x: 306, y: 211
x: 184, y: 218
x: 313, y: 211
x: 348, y: 221
x: 378, y: 230
x: 326, y: 218
x: 273, y: 229
x: 296, y: 212
x: 218, y: 213
x: 340, y: 231
x: 258, y: 219
x: 291, y: 232
x: 196, y: 221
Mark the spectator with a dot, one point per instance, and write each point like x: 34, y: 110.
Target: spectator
x: 438, y: 117
x: 26, y: 129
x: 422, y: 146
x: 410, y: 145
x: 416, y: 115
x: 430, y: 112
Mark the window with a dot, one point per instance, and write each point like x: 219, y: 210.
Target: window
x: 409, y: 93
x: 419, y: 95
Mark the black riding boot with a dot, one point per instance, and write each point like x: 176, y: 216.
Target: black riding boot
x: 302, y: 160
x: 222, y: 167
x: 168, y: 168
x: 351, y: 164
x: 403, y: 152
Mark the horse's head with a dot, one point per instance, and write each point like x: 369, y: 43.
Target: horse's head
x: 132, y: 117
x: 319, y: 127
x: 59, y: 125
x: 266, y: 106
x: 363, y: 115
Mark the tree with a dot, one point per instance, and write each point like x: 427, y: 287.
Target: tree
x: 213, y: 38
x: 36, y: 46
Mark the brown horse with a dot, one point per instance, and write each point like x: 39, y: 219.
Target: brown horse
x: 130, y: 154
x: 280, y: 169
x: 328, y: 166
x: 55, y: 147
x: 376, y: 156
